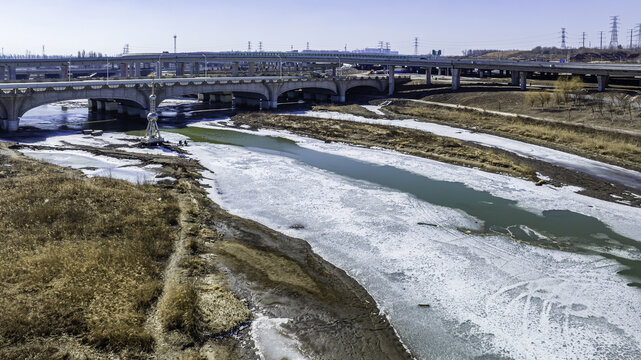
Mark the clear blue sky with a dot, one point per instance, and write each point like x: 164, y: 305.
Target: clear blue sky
x: 66, y: 26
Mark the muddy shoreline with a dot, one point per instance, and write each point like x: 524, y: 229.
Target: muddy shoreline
x: 273, y: 275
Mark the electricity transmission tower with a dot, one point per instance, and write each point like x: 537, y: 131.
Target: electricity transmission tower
x: 416, y: 46
x: 614, y: 32
x: 249, y: 46
x: 563, y: 35
x: 583, y: 40
x: 260, y: 46
x: 639, y: 36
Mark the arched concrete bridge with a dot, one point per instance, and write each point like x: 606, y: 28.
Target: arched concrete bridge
x: 132, y: 95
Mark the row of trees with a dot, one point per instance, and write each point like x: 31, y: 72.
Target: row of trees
x: 569, y: 92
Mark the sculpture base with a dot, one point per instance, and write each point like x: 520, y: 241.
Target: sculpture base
x: 154, y: 141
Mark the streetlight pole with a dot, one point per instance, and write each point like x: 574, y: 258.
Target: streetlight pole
x: 68, y: 70
x: 205, y: 64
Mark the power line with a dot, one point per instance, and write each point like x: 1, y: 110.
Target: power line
x: 614, y: 31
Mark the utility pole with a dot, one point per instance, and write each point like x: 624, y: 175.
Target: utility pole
x: 631, y: 36
x: 601, y: 46
x: 614, y: 32
x: 584, y: 39
x: 416, y: 46
x: 563, y: 35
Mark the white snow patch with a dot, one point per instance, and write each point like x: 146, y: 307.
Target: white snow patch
x: 374, y: 108
x: 273, y: 341
x: 96, y: 165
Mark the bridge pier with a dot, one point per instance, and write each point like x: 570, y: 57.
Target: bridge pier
x: 195, y: 69
x: 456, y: 79
x: 428, y: 76
x: 110, y: 106
x: 180, y: 69
x: 603, y: 80
x: 124, y: 70
x: 391, y: 83
x: 2, y: 71
x: 515, y: 77
x: 481, y: 74
x: 234, y: 69
x: 10, y: 125
x: 251, y: 66
x: 523, y: 76
x: 64, y: 72
x: 91, y: 105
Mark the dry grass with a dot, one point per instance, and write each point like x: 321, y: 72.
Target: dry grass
x: 620, y: 149
x: 80, y: 257
x: 595, y: 112
x: 179, y: 308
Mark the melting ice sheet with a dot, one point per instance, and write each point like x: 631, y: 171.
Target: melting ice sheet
x: 96, y: 165
x: 489, y: 296
x: 272, y: 341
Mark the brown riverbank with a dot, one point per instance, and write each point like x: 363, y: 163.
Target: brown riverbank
x: 216, y: 272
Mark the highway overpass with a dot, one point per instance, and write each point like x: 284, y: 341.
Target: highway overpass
x: 131, y: 65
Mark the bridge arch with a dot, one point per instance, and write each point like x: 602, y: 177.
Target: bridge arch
x: 134, y: 96
x: 178, y: 90
x: 332, y: 87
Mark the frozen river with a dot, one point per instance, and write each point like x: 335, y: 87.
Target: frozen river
x: 482, y: 249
